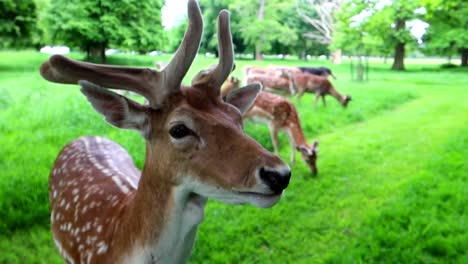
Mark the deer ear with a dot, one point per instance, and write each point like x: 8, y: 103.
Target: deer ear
x: 302, y: 149
x: 315, y: 144
x: 244, y: 97
x: 117, y: 110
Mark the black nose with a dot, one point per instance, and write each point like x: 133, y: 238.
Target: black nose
x: 277, y: 181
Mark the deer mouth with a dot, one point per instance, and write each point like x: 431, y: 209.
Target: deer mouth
x: 262, y: 200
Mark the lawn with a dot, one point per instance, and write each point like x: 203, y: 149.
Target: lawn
x: 392, y: 186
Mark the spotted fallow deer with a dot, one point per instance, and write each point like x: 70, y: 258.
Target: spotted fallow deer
x: 320, y: 85
x: 280, y: 115
x: 272, y: 78
x: 104, y: 210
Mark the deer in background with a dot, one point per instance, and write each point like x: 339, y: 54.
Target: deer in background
x: 319, y: 71
x: 104, y: 210
x: 321, y: 86
x: 272, y: 78
x: 230, y: 85
x: 280, y: 115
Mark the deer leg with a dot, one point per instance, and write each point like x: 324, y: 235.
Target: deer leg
x: 274, y: 137
x: 291, y: 88
x: 323, y: 100
x: 317, y: 95
x: 293, y: 151
x: 299, y: 96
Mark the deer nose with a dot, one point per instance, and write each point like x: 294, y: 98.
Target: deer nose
x: 276, y: 180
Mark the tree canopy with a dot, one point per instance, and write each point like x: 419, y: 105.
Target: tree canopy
x: 301, y: 27
x: 371, y: 27
x: 17, y: 23
x: 447, y: 34
x: 94, y: 25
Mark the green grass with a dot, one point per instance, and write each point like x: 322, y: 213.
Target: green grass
x: 393, y: 175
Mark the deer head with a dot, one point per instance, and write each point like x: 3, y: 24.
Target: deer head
x: 195, y: 143
x: 309, y: 155
x: 346, y: 100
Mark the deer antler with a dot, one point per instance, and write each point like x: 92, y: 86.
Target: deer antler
x: 213, y: 78
x: 153, y: 85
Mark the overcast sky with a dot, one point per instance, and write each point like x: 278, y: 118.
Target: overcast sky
x: 172, y: 12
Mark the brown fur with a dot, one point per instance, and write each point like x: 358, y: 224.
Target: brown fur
x: 320, y: 85
x: 271, y: 78
x: 230, y: 85
x: 281, y: 115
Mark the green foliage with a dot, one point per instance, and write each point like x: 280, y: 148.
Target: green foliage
x: 17, y: 23
x: 367, y: 27
x: 89, y: 24
x: 210, y: 10
x: 174, y: 37
x: 448, y: 23
x: 391, y: 186
x: 282, y: 31
x: 267, y: 30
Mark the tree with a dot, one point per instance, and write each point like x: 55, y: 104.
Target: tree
x: 402, y: 11
x: 174, y: 35
x: 94, y: 25
x: 260, y: 31
x: 210, y: 10
x: 446, y: 34
x: 17, y: 23
x: 379, y: 27
x: 320, y: 17
x: 351, y: 24
x: 303, y: 46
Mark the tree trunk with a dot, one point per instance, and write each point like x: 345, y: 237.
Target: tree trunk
x: 97, y: 53
x: 88, y: 52
x: 336, y: 56
x: 399, y: 57
x: 102, y: 53
x: 258, y: 51
x: 258, y: 46
x: 464, y: 57
x: 360, y: 69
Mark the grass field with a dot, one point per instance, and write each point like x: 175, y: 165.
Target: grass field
x: 392, y: 186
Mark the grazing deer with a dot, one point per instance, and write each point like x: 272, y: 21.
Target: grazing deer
x: 272, y: 78
x: 321, y: 86
x: 280, y: 115
x: 319, y: 71
x: 104, y: 210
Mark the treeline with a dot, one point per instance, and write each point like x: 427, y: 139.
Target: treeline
x: 299, y: 27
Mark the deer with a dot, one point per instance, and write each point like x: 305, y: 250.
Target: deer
x: 231, y: 84
x: 271, y: 79
x: 319, y: 71
x: 280, y: 115
x: 104, y: 209
x: 321, y: 86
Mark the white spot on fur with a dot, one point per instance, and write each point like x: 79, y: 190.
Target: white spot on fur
x: 102, y: 248
x: 62, y: 251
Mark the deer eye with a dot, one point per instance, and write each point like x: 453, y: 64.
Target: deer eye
x: 179, y: 131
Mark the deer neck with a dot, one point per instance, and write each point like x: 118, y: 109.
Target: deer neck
x: 163, y: 217
x: 336, y: 94
x: 295, y: 132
